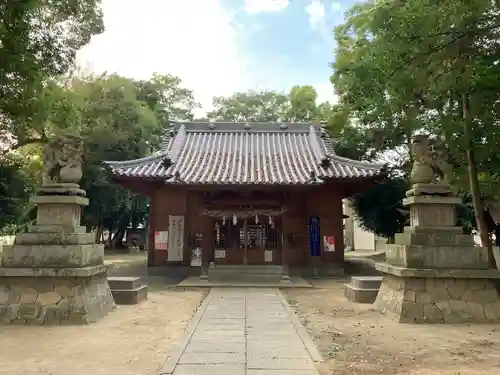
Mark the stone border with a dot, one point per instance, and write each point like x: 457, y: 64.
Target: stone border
x: 54, y: 272
x: 172, y: 360
x: 301, y: 330
x: 437, y: 273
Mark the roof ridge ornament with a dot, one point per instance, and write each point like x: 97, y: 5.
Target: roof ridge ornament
x: 211, y: 125
x: 283, y: 125
x: 171, y: 129
x: 247, y: 126
x: 167, y: 162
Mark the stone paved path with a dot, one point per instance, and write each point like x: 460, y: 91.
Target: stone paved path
x: 245, y: 332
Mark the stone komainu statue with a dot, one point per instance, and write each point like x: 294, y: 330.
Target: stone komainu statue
x: 430, y: 161
x: 63, y: 160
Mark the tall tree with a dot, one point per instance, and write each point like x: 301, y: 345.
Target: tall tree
x: 405, y: 67
x: 39, y: 39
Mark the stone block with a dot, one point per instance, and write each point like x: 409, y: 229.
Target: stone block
x: 443, y: 300
x: 64, y: 228
x: 54, y: 238
x: 437, y: 273
x: 127, y: 282
x: 436, y: 238
x: 360, y: 295
x: 432, y: 211
x: 130, y: 296
x: 57, y: 256
x: 54, y: 300
x: 53, y: 272
x: 438, y: 257
x: 59, y: 209
x: 366, y: 282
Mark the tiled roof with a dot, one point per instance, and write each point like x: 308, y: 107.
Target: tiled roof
x: 239, y: 153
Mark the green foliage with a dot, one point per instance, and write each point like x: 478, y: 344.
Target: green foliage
x: 298, y: 105
x: 15, y: 188
x: 39, y: 39
x: 387, y: 216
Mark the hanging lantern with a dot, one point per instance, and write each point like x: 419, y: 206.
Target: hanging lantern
x: 223, y: 220
x: 217, y: 225
x: 235, y: 219
x: 271, y: 222
x: 256, y: 219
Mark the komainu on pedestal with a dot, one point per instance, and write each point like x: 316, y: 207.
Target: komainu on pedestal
x: 434, y: 273
x: 54, y: 274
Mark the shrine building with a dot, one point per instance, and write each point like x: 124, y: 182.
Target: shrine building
x: 245, y: 193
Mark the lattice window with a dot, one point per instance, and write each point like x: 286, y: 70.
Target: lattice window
x: 293, y: 240
x: 195, y: 240
x: 262, y: 236
x: 222, y: 233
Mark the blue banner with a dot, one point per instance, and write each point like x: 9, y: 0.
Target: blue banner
x: 314, y: 237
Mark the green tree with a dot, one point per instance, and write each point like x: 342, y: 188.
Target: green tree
x: 403, y: 68
x: 39, y: 39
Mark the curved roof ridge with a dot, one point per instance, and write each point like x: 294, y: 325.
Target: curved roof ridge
x: 129, y: 163
x: 359, y: 163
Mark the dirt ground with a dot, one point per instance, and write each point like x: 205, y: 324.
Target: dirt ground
x: 356, y: 339
x: 131, y: 340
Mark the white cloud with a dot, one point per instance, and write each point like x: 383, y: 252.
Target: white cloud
x: 262, y: 6
x: 195, y: 40
x: 316, y: 12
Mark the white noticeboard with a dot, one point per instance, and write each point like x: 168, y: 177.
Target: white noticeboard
x: 268, y: 256
x: 176, y: 238
x: 161, y: 240
x: 220, y: 254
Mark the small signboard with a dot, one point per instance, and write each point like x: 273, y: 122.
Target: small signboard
x: 329, y: 243
x: 268, y: 256
x: 220, y: 254
x: 161, y: 240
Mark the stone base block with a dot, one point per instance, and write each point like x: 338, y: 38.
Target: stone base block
x: 360, y: 295
x: 438, y: 238
x: 439, y: 300
x: 54, y: 300
x: 366, y: 282
x: 63, y: 256
x: 63, y: 228
x: 130, y: 296
x: 55, y: 238
x: 440, y: 257
x: 117, y: 282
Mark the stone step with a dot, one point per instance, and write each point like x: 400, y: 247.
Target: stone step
x: 124, y: 283
x: 247, y: 270
x: 130, y: 296
x: 360, y: 295
x: 366, y: 282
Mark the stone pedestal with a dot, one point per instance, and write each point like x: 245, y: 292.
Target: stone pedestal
x: 434, y: 273
x: 54, y: 274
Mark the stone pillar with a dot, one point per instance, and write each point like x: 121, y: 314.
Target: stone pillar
x: 54, y: 274
x: 434, y: 273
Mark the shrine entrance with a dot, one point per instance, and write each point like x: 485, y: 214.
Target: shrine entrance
x: 252, y: 241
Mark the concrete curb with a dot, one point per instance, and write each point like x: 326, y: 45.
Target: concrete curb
x: 174, y: 357
x: 302, y: 331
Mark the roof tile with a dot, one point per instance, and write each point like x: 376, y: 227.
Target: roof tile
x: 232, y: 153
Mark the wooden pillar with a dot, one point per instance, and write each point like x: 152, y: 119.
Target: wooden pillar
x: 206, y: 244
x: 150, y: 243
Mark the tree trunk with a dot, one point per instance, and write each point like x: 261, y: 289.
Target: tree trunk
x: 473, y: 180
x: 117, y: 238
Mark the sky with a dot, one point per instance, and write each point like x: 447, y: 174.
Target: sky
x: 218, y: 47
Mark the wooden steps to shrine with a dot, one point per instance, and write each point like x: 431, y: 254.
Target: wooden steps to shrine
x: 127, y: 290
x: 239, y: 272
x: 363, y: 289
